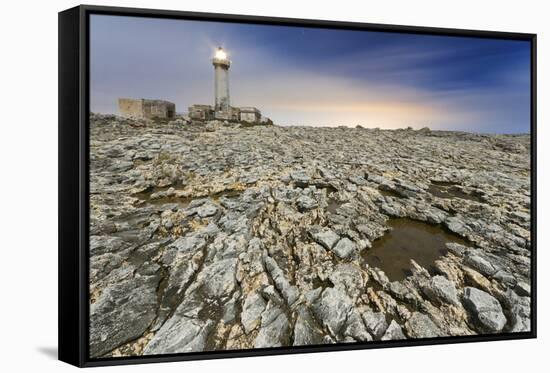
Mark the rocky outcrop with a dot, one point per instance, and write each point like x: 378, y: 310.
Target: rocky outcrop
x: 420, y: 325
x: 485, y: 308
x: 441, y: 289
x: 234, y: 238
x: 131, y: 301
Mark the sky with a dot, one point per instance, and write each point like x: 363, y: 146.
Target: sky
x: 315, y: 76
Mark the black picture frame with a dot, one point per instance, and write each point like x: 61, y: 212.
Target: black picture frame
x: 73, y: 166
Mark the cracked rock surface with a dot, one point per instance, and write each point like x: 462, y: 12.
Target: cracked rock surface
x: 224, y: 237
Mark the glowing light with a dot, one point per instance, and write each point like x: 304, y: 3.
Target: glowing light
x: 220, y: 54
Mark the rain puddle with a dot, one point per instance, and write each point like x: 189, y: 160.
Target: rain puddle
x: 450, y: 190
x: 145, y: 196
x: 408, y: 239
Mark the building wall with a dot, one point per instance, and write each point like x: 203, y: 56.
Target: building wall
x: 250, y: 114
x: 141, y: 108
x: 235, y: 113
x: 201, y: 112
x: 159, y: 109
x: 130, y: 108
x: 250, y: 117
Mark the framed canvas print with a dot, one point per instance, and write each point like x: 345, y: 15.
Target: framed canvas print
x: 236, y: 186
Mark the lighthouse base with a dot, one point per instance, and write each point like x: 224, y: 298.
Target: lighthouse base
x: 225, y: 115
x: 240, y: 114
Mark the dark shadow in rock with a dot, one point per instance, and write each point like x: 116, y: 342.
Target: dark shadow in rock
x: 333, y: 205
x: 389, y: 193
x: 450, y: 191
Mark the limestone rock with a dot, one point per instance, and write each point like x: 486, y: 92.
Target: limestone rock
x: 209, y: 236
x: 180, y: 335
x: 419, y: 325
x: 345, y: 248
x: 332, y: 309
x: 253, y: 307
x: 289, y: 292
x: 274, y: 329
x: 393, y: 332
x: 355, y: 328
x: 441, y: 289
x: 306, y: 203
x: 480, y: 264
x: 218, y: 279
x: 206, y: 210
x: 326, y: 237
x: 306, y: 330
x: 131, y: 303
x: 376, y: 323
x: 349, y: 278
x: 485, y: 308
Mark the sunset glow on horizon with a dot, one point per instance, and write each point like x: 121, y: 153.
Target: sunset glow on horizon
x: 316, y: 77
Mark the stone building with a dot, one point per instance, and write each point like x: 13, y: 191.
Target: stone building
x: 250, y: 114
x: 201, y: 112
x: 222, y: 108
x: 243, y: 114
x: 142, y: 108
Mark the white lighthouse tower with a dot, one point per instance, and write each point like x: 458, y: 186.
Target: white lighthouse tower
x: 222, y: 108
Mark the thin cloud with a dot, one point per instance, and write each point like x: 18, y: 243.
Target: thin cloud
x: 316, y: 77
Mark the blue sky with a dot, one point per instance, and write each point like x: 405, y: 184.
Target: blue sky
x: 311, y: 76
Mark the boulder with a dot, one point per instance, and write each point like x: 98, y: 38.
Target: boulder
x: 253, y: 307
x: 306, y: 203
x: 457, y: 225
x: 332, y: 309
x: 442, y: 290
x: 348, y: 277
x: 122, y: 312
x: 290, y: 293
x: 399, y: 290
x: 300, y: 178
x: 457, y: 249
x: 419, y: 325
x: 217, y: 280
x: 355, y: 327
x: 376, y: 323
x: 520, y: 311
x: 206, y: 210
x: 180, y: 334
x: 393, y: 332
x: 326, y: 237
x: 306, y: 330
x: 480, y: 264
x: 274, y: 328
x: 345, y: 249
x: 485, y: 308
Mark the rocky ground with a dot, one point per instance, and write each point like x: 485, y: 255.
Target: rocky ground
x: 220, y: 237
